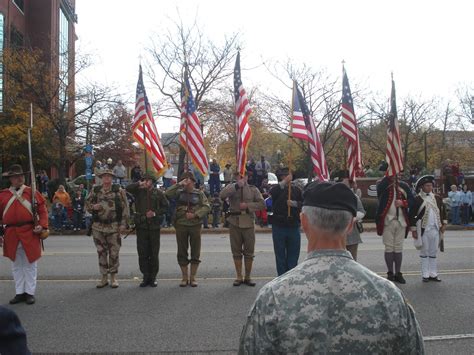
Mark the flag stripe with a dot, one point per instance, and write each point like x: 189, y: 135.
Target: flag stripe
x: 394, y: 146
x: 144, y: 128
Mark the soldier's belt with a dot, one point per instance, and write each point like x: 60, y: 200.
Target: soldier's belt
x: 21, y: 224
x: 236, y: 213
x: 107, y: 221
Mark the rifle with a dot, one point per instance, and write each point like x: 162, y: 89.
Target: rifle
x: 45, y: 233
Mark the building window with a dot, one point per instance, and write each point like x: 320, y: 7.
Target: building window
x: 16, y: 38
x: 20, y: 4
x: 1, y: 61
x: 63, y: 46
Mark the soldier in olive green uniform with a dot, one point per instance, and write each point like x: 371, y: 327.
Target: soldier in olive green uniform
x: 244, y: 200
x: 191, y: 207
x: 150, y: 205
x: 109, y: 207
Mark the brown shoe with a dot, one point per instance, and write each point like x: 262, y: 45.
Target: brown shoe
x: 249, y: 282
x: 237, y: 282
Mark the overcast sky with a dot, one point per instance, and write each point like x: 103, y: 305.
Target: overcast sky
x: 427, y: 44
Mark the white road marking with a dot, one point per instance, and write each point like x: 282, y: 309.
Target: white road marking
x: 448, y: 337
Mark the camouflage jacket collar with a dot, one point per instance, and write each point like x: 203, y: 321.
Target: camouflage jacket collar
x: 328, y: 252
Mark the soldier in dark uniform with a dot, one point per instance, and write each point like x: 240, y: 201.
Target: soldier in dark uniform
x: 150, y: 205
x: 244, y: 200
x: 191, y: 207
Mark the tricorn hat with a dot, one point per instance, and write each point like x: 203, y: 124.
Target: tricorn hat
x: 423, y: 180
x: 106, y: 172
x: 14, y: 170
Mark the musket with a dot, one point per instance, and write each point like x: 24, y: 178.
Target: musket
x: 44, y: 234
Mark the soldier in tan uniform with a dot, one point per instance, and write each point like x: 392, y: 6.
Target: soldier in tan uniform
x: 244, y: 200
x: 191, y: 207
x: 109, y: 207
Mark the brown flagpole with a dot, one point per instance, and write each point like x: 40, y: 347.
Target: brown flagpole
x: 291, y: 145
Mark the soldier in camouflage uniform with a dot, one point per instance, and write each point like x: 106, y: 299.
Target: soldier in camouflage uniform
x: 109, y: 207
x: 244, y: 200
x: 330, y: 304
x: 150, y: 205
x: 191, y: 207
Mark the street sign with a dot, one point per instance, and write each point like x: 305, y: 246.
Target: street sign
x: 88, y: 174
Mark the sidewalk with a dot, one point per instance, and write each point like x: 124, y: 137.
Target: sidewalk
x: 368, y: 227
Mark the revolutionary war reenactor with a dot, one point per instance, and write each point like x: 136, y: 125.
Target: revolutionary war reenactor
x: 110, y: 212
x: 21, y: 242
x: 191, y: 207
x: 244, y: 200
x: 394, y: 200
x: 150, y: 205
x: 428, y: 222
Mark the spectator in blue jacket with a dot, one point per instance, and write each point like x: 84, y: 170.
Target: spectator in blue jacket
x: 455, y: 203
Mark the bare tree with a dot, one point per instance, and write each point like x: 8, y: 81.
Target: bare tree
x: 209, y: 65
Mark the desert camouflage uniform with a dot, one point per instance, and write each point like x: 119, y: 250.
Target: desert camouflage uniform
x: 105, y: 229
x: 331, y: 304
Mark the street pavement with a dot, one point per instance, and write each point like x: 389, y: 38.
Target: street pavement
x: 72, y: 316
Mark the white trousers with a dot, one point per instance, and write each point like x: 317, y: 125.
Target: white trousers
x: 24, y: 272
x: 430, y: 239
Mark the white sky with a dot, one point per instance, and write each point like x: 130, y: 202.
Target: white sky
x: 427, y: 44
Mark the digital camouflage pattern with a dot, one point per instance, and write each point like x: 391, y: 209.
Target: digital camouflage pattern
x: 195, y: 202
x: 331, y: 304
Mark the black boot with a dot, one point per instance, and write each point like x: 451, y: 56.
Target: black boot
x: 390, y: 276
x: 30, y: 299
x: 146, y: 281
x: 399, y: 278
x: 153, y: 282
x: 18, y: 299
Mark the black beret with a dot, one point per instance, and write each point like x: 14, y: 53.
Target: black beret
x: 330, y: 195
x: 423, y: 180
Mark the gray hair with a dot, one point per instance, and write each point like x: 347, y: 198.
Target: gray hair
x: 335, y: 221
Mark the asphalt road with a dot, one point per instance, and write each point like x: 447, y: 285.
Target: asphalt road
x: 71, y: 315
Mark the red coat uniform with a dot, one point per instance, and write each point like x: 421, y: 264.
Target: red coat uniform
x: 18, y: 214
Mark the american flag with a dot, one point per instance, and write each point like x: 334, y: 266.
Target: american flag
x: 144, y: 128
x: 349, y: 130
x: 242, y: 111
x: 190, y: 136
x: 394, y: 147
x: 303, y: 127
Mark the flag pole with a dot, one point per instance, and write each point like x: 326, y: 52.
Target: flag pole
x: 346, y: 143
x: 146, y: 163
x: 291, y: 145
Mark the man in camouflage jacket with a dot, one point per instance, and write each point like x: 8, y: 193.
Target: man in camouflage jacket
x: 330, y: 304
x: 110, y: 213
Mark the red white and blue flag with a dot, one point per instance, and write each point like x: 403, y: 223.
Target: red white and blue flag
x: 191, y: 137
x: 242, y: 111
x: 349, y: 130
x: 394, y: 156
x: 144, y: 128
x: 303, y: 127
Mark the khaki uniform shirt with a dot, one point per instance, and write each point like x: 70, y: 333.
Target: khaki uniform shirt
x: 194, y: 202
x: 248, y: 194
x: 330, y: 304
x: 107, y: 216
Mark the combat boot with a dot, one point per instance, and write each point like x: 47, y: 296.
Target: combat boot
x: 248, y: 269
x: 103, y: 282
x: 194, y: 268
x: 113, y: 281
x: 238, y: 270
x: 184, y: 279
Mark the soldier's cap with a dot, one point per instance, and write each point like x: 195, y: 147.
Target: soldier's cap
x: 106, y: 172
x: 383, y: 166
x: 149, y: 176
x: 423, y: 180
x: 187, y: 175
x: 14, y: 170
x: 330, y: 195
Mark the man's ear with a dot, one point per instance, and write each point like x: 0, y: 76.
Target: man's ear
x: 350, y: 226
x: 304, y: 222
